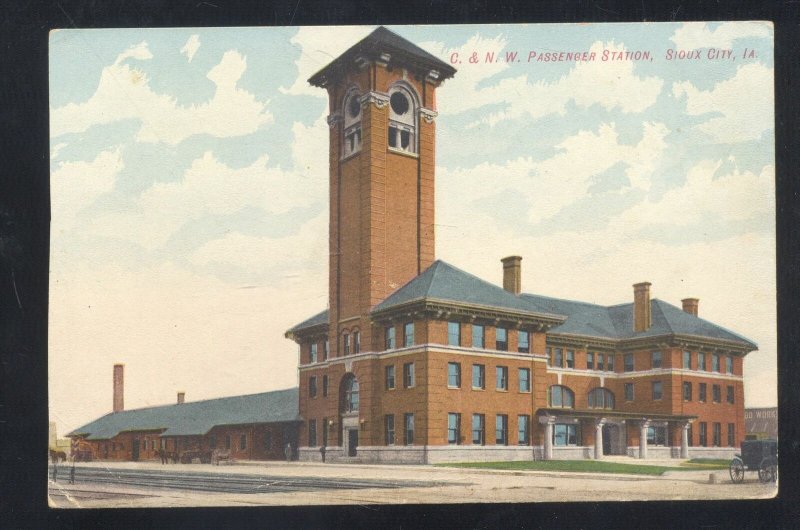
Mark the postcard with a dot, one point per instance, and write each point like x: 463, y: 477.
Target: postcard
x: 412, y: 264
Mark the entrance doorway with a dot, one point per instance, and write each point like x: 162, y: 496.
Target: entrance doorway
x: 352, y: 442
x: 135, y: 450
x: 613, y: 444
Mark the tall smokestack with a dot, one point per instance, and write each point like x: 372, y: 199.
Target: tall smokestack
x: 641, y: 307
x: 691, y: 305
x: 119, y: 387
x: 181, y: 397
x: 512, y: 274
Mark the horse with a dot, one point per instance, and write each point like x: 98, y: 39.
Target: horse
x: 162, y: 453
x: 57, y: 456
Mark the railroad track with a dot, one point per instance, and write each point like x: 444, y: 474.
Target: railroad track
x: 224, y: 482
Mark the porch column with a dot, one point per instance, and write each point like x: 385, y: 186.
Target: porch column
x: 643, y: 425
x: 598, y: 438
x: 548, y: 421
x: 685, y: 441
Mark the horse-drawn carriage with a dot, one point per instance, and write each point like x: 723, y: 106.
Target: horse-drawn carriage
x: 756, y: 455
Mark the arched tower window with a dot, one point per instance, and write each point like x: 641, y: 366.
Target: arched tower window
x: 350, y: 393
x: 562, y: 397
x: 402, y: 119
x: 352, y: 123
x: 601, y: 398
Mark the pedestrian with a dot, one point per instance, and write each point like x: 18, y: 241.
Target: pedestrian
x: 322, y: 452
x: 288, y: 452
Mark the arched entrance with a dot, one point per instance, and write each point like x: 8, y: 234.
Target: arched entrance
x: 349, y: 398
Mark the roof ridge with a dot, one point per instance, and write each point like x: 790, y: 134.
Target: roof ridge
x: 151, y: 407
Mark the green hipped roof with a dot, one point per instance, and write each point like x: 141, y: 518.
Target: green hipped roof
x: 443, y: 282
x: 198, y: 417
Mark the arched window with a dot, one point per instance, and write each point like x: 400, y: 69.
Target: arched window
x: 561, y: 396
x: 601, y: 398
x: 402, y: 119
x: 352, y: 123
x: 350, y: 398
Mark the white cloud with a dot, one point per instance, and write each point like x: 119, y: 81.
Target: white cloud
x: 124, y: 93
x: 76, y: 185
x: 191, y: 47
x: 612, y: 85
x: 319, y: 45
x: 694, y: 35
x: 742, y: 107
x: 55, y: 149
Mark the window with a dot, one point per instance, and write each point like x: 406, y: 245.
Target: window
x: 657, y: 435
x: 389, y: 334
x: 690, y: 436
x: 717, y: 440
x: 601, y: 398
x: 656, y: 390
x: 590, y: 360
x: 687, y: 360
x: 324, y: 386
x: 565, y: 434
x: 243, y: 442
x: 628, y: 362
x: 731, y: 435
x: 325, y: 349
x: 570, y: 358
x: 409, y: 439
x: 228, y: 441
x: 477, y: 336
x: 212, y: 442
x: 351, y: 394
x: 454, y: 375
x: 701, y: 392
x: 523, y: 345
x: 610, y: 367
x: 408, y: 334
x: 601, y: 361
x: 715, y: 363
x: 729, y: 394
x: 502, y: 339
x: 312, y: 433
x: 408, y: 375
x: 502, y: 378
x: 388, y: 423
x: 478, y: 429
x: 716, y: 393
x: 312, y: 386
x: 687, y: 391
x: 454, y: 334
x: 703, y: 434
x: 549, y: 353
x: 655, y: 359
x: 558, y: 358
x: 267, y: 441
x: 402, y: 120
x: 501, y: 429
x: 390, y: 377
x: 356, y: 342
x: 561, y: 396
x: 701, y: 361
x: 346, y: 344
x: 524, y: 429
x: 478, y: 376
x: 352, y: 124
x: 524, y: 380
x: 628, y: 391
x: 728, y: 365
x: 324, y: 428
x: 453, y: 428
x: 313, y: 352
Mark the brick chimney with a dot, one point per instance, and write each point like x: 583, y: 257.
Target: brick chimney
x: 181, y: 397
x: 119, y: 388
x: 512, y: 274
x: 690, y: 305
x: 641, y: 306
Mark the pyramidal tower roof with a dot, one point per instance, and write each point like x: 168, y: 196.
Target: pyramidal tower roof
x: 386, y: 46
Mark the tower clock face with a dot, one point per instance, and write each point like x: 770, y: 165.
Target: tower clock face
x: 399, y: 103
x: 353, y: 107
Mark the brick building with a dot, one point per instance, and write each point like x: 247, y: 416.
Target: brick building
x: 418, y: 361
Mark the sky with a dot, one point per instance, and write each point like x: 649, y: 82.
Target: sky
x: 189, y: 189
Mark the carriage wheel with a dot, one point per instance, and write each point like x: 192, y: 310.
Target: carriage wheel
x: 768, y: 472
x: 737, y: 470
